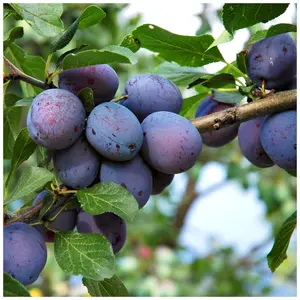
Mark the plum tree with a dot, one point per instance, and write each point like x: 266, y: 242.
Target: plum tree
x: 114, y: 131
x: 150, y: 93
x: 279, y: 138
x: 134, y: 175
x: 109, y: 224
x: 78, y: 165
x: 25, y: 252
x: 171, y: 143
x: 56, y: 119
x: 250, y: 143
x: 273, y: 60
x: 216, y: 138
x: 160, y: 181
x: 102, y: 79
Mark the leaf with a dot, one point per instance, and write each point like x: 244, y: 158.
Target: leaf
x: 233, y: 97
x: 13, y: 288
x: 87, y: 98
x: 44, y: 156
x: 12, y: 118
x: 10, y: 99
x: 131, y: 43
x: 246, y: 90
x: 14, y: 33
x: 215, y: 81
x: 241, y: 59
x: 107, y: 55
x: 191, y: 104
x: 224, y: 37
x: 22, y: 150
x: 88, y: 254
x: 108, y: 197
x: 112, y: 287
x: 237, y: 16
x: 30, y: 180
x: 90, y: 16
x: 179, y: 75
x: 48, y: 202
x: 185, y: 50
x: 231, y: 69
x: 292, y: 173
x: 273, y: 30
x: 24, y: 102
x: 43, y: 18
x: 74, y: 50
x: 278, y: 253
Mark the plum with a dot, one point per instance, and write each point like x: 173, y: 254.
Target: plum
x: 160, y: 181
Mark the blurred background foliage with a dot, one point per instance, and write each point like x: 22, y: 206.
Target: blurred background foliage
x: 154, y: 262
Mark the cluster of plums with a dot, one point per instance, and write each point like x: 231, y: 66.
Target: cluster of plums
x: 139, y: 143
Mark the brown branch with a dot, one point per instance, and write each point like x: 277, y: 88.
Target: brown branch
x: 17, y: 74
x: 276, y: 103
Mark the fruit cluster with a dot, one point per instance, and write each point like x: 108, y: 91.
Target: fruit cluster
x: 139, y: 143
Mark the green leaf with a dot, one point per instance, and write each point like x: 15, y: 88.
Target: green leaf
x: 91, y: 16
x: 44, y: 156
x: 292, y: 173
x: 191, y: 104
x: 12, y: 118
x: 241, y: 59
x: 15, y: 33
x: 215, y: 81
x: 278, y: 253
x: 74, y: 50
x: 13, y: 288
x: 232, y: 69
x: 24, y: 102
x: 48, y: 202
x: 23, y: 149
x: 246, y: 90
x: 108, y: 197
x: 110, y: 54
x: 237, y: 16
x: 43, y: 18
x: 31, y: 179
x: 88, y: 254
x: 87, y: 98
x: 185, y: 50
x: 233, y: 97
x: 112, y: 287
x: 224, y: 37
x: 10, y: 99
x: 179, y: 75
x: 273, y: 30
x: 131, y: 43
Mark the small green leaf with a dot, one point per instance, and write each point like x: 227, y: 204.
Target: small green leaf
x: 87, y: 98
x: 24, y: 102
x: 31, y: 179
x: 14, y: 33
x: 233, y: 97
x: 23, y: 149
x: 237, y: 16
x: 215, y: 81
x: 241, y: 59
x: 191, y: 104
x: 10, y: 99
x: 278, y: 253
x: 110, y: 54
x: 246, y: 90
x: 185, y: 50
x: 108, y: 197
x: 232, y: 69
x: 13, y: 288
x: 43, y: 18
x: 224, y: 37
x: 179, y: 75
x: 74, y: 50
x: 131, y: 43
x: 112, y: 287
x: 273, y: 30
x: 44, y: 156
x: 292, y: 173
x: 91, y: 16
x: 48, y: 202
x: 86, y: 254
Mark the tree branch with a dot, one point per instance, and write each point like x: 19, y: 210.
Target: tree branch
x: 17, y: 74
x: 276, y: 103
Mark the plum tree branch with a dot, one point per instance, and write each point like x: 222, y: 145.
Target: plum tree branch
x: 276, y: 103
x: 17, y: 74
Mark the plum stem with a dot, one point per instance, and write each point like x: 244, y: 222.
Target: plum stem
x: 50, y: 79
x: 17, y: 74
x: 120, y: 98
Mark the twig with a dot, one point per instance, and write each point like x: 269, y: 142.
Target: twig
x: 17, y: 74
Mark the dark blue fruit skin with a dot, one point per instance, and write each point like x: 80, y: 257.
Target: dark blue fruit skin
x: 109, y: 224
x: 160, y: 181
x: 150, y: 93
x: 134, y: 175
x: 278, y: 136
x: 56, y: 119
x: 102, y: 79
x: 274, y: 60
x: 219, y: 137
x: 171, y: 143
x: 25, y: 252
x: 250, y: 144
x: 114, y: 131
x: 77, y: 166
